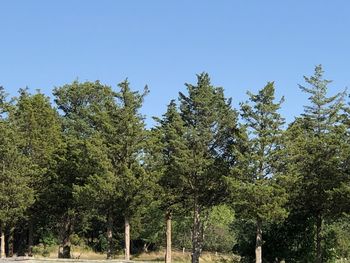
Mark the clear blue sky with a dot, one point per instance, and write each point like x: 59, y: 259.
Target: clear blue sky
x: 241, y: 44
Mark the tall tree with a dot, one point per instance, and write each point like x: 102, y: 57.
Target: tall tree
x: 122, y: 184
x: 316, y: 147
x: 211, y: 133
x: 100, y: 192
x: 172, y: 147
x: 39, y: 130
x: 15, y: 193
x: 126, y: 141
x: 97, y: 196
x: 84, y: 157
x: 257, y: 195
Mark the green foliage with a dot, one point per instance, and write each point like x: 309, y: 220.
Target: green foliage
x: 85, y: 159
x: 261, y: 196
x: 218, y: 232
x: 257, y: 194
x: 127, y: 142
x: 15, y: 192
x: 182, y: 232
x: 338, y: 238
x: 211, y: 136
x: 171, y: 144
x: 316, y: 148
x: 71, y: 173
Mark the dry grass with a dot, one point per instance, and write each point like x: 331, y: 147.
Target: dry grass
x: 178, y: 256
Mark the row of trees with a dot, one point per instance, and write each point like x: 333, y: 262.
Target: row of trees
x: 86, y: 166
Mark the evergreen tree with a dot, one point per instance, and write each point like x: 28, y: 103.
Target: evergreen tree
x: 125, y: 135
x: 172, y: 147
x: 16, y: 195
x: 256, y: 192
x: 95, y: 198
x: 316, y: 149
x: 85, y: 155
x: 211, y: 135
x: 40, y: 140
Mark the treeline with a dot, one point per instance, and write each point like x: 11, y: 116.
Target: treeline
x: 86, y: 171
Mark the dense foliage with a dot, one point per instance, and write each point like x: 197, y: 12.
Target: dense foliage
x: 84, y: 170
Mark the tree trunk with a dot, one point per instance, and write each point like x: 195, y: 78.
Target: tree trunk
x: 11, y: 242
x: 2, y: 243
x: 319, y: 258
x: 30, y: 238
x: 196, y: 234
x: 65, y: 232
x: 109, y: 236
x: 168, y: 238
x: 127, y: 239
x: 258, y: 244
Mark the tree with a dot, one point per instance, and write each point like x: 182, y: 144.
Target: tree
x: 256, y: 193
x: 40, y: 141
x: 211, y: 135
x: 218, y: 230
x: 316, y: 150
x: 98, y: 195
x: 15, y: 193
x: 85, y: 159
x: 126, y: 136
x: 172, y: 147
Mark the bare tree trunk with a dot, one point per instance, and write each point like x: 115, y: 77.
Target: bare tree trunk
x: 127, y: 239
x: 30, y: 238
x: 2, y: 243
x: 168, y: 238
x: 109, y: 235
x: 319, y: 258
x: 65, y: 233
x: 11, y: 242
x: 258, y: 244
x: 196, y: 234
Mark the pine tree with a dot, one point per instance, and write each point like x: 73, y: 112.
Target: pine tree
x: 211, y: 135
x: 172, y: 147
x: 126, y: 141
x: 316, y: 147
x: 40, y: 140
x: 100, y: 193
x: 84, y: 154
x: 15, y: 193
x: 97, y: 196
x: 256, y: 193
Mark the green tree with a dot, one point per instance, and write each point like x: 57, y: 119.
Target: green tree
x: 85, y: 159
x: 16, y: 195
x: 211, y: 135
x: 40, y: 140
x: 97, y: 196
x: 219, y: 236
x: 126, y: 137
x: 115, y: 175
x: 316, y: 147
x: 256, y: 193
x: 171, y: 145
